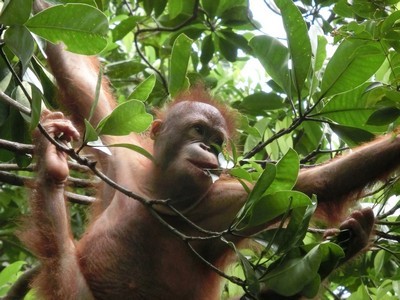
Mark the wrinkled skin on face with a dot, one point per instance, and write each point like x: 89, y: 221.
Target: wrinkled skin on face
x: 186, y: 147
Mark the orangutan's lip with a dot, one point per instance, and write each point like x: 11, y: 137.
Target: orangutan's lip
x: 203, y: 165
x: 209, y: 169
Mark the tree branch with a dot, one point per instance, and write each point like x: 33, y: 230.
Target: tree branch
x: 18, y: 180
x: 13, y: 179
x: 16, y: 147
x: 25, y: 110
x: 14, y: 167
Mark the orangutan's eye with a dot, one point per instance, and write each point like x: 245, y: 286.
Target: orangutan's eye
x: 219, y: 142
x: 199, y: 129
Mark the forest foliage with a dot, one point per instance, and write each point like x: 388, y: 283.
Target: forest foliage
x: 332, y: 83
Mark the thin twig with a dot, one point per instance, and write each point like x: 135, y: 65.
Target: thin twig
x: 15, y: 75
x: 389, y: 212
x: 388, y: 236
x: 318, y: 151
x: 25, y: 110
x: 277, y: 135
x: 296, y: 123
x: 79, y: 199
x: 200, y: 229
x: 162, y: 29
x: 233, y: 279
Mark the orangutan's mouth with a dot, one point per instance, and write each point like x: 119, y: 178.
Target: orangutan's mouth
x: 208, y: 168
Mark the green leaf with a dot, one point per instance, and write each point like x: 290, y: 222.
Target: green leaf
x: 21, y: 97
x: 240, y: 173
x: 193, y: 32
x: 124, y: 27
x: 4, y: 110
x: 124, y: 69
x: 130, y: 116
x: 263, y: 182
x: 225, y: 5
x: 390, y: 23
x: 351, y: 135
x: 21, y: 43
x: 331, y: 257
x: 287, y: 170
x: 175, y: 8
x: 144, y: 89
x: 148, y: 6
x: 36, y: 107
x: 249, y: 273
x: 379, y: 261
x: 159, y: 6
x: 297, y: 228
x: 298, y: 41
x: 311, y: 134
x: 347, y: 69
x: 384, y: 116
x: 181, y: 51
x: 284, y: 239
x: 312, y: 288
x: 239, y: 41
x: 350, y: 109
x: 227, y: 48
x: 49, y: 89
x: 361, y: 293
x: 367, y: 9
x: 93, y: 3
x: 268, y: 207
x: 235, y: 16
x: 274, y: 57
x: 320, y: 54
x: 58, y: 24
x: 97, y: 93
x: 210, y: 6
x: 8, y: 273
x: 135, y: 148
x: 343, y: 8
x: 260, y: 102
x: 385, y: 289
x: 207, y: 50
x: 292, y: 275
x: 16, y: 12
x: 90, y: 133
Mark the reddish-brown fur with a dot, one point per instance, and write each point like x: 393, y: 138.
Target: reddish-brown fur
x: 128, y: 254
x: 341, y: 181
x: 199, y: 93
